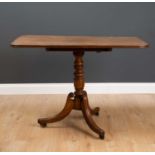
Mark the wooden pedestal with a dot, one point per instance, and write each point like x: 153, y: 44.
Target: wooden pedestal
x: 77, y: 100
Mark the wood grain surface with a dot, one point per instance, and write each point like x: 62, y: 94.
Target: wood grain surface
x: 78, y: 42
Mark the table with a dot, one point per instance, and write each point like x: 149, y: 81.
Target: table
x: 78, y: 100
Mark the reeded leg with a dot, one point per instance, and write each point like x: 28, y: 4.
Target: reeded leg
x: 88, y: 117
x: 66, y: 110
x: 94, y: 111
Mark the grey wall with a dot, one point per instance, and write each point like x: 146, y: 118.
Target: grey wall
x: 35, y: 65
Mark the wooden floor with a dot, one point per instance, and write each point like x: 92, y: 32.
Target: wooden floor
x: 128, y: 120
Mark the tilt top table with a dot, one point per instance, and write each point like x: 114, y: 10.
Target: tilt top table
x: 77, y: 100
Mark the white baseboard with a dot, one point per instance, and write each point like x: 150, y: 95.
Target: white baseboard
x: 64, y: 88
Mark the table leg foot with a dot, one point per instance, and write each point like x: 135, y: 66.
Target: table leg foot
x: 88, y: 117
x: 42, y: 123
x: 95, y: 111
x: 66, y: 110
x: 101, y: 135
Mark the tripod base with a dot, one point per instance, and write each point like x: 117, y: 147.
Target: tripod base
x: 76, y: 102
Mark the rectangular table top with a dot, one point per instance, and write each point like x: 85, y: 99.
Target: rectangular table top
x: 78, y: 42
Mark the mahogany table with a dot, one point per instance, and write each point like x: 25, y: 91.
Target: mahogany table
x: 77, y: 100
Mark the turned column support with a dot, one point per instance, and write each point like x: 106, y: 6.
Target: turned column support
x: 78, y: 72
